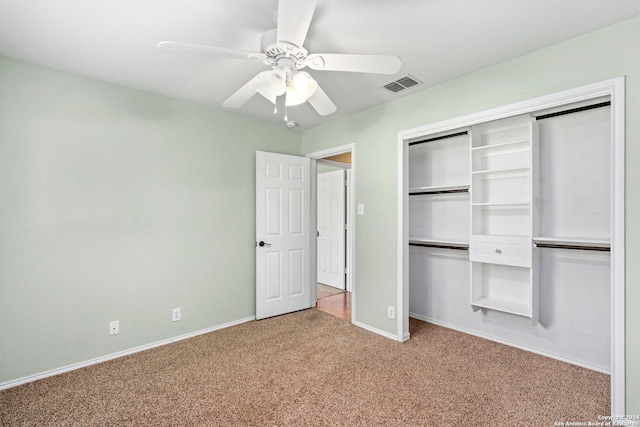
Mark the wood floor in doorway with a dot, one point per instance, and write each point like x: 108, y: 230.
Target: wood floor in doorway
x: 338, y: 305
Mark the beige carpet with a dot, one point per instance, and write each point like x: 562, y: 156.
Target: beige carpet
x: 324, y: 291
x: 313, y: 369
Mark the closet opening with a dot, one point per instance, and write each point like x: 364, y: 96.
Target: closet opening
x: 511, y: 227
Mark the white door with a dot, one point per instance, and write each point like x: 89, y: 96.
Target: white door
x: 283, y: 235
x: 331, y: 232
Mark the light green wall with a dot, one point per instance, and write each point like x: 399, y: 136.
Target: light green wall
x: 601, y: 55
x: 119, y: 205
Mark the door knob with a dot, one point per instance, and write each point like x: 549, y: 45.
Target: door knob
x: 262, y: 244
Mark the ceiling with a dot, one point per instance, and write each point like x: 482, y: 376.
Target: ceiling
x: 437, y: 40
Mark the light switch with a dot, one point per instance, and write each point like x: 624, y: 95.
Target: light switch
x: 360, y: 209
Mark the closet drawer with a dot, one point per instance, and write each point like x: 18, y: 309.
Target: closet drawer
x: 514, y: 251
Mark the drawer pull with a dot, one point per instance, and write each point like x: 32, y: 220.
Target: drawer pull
x: 498, y: 251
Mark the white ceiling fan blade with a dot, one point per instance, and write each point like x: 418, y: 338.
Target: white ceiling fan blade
x: 198, y: 49
x: 376, y: 64
x: 322, y: 103
x: 294, y: 17
x: 246, y: 92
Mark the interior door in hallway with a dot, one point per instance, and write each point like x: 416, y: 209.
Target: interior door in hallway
x: 283, y: 234
x: 331, y: 228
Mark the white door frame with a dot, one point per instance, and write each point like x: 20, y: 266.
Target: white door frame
x: 333, y: 230
x: 351, y: 220
x: 615, y: 88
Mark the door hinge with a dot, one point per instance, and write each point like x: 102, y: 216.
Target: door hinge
x: 345, y: 270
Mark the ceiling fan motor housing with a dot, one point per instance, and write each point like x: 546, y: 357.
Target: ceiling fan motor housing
x: 275, y: 49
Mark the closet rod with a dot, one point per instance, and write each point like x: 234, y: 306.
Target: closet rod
x: 573, y: 110
x: 439, y: 246
x: 421, y: 193
x: 568, y: 246
x: 437, y: 138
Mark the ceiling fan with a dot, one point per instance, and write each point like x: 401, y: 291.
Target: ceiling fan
x: 283, y: 50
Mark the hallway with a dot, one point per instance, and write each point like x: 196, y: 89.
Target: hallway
x: 337, y: 305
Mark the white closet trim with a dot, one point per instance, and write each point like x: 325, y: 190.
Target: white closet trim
x: 615, y: 88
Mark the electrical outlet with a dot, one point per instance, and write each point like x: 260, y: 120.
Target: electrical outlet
x: 391, y: 312
x: 114, y: 327
x: 176, y: 315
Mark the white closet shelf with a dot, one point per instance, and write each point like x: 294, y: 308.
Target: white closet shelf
x: 502, y: 145
x: 489, y: 235
x: 520, y: 204
x: 574, y: 241
x: 505, y: 306
x: 501, y: 170
x: 439, y: 189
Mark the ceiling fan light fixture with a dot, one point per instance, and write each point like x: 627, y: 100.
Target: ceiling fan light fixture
x: 293, y: 97
x: 301, y: 88
x: 273, y: 84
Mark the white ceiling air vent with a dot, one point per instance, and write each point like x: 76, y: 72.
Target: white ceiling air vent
x: 404, y: 82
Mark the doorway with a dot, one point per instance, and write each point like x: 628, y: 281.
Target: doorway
x: 333, y: 201
x: 331, y: 183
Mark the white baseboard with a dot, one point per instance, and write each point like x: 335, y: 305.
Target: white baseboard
x: 377, y: 331
x: 511, y: 344
x: 74, y: 366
